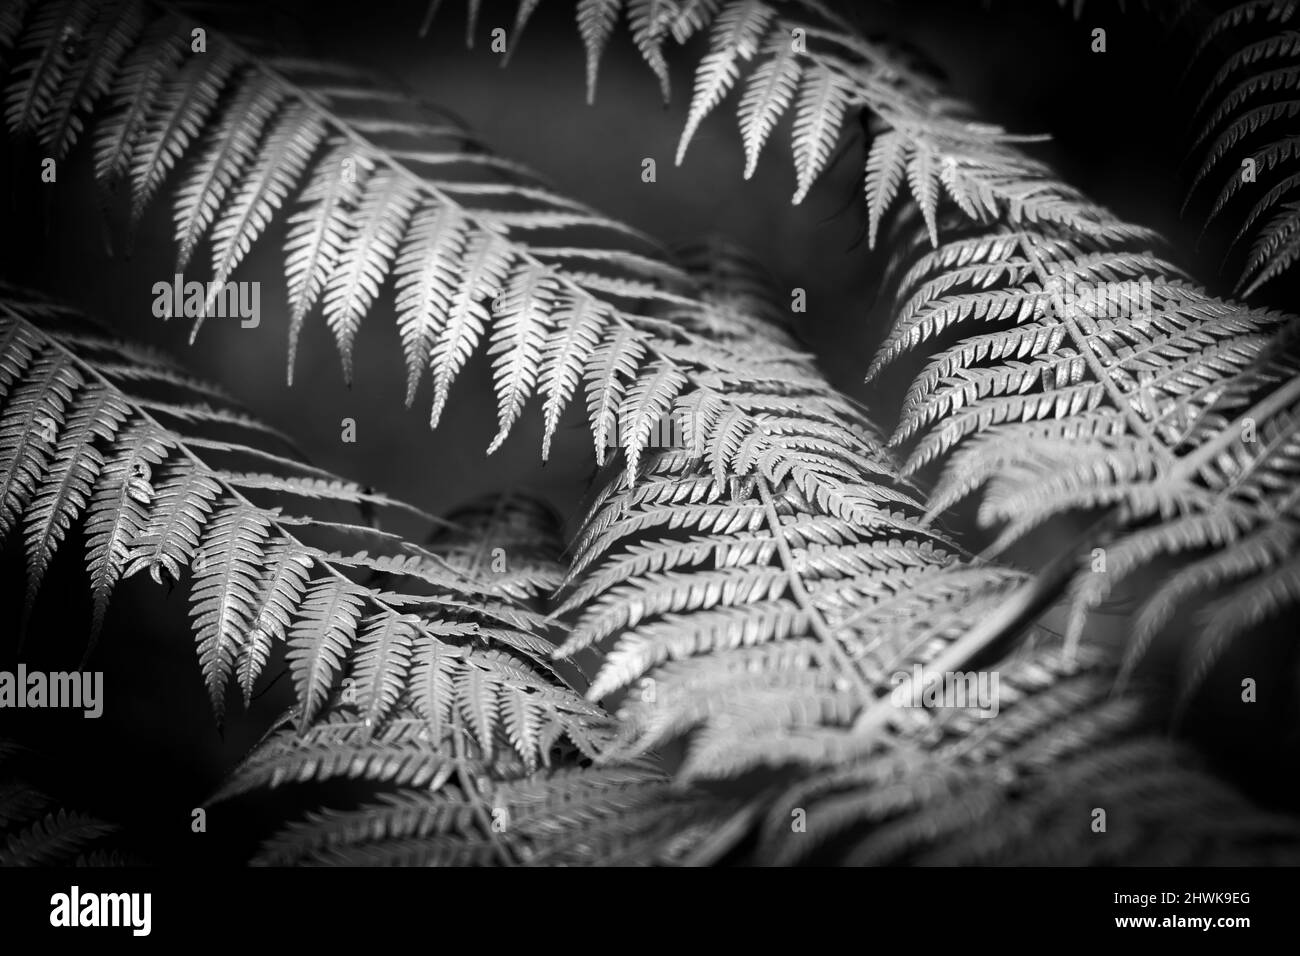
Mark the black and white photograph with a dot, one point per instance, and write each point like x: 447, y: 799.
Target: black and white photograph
x: 658, y: 434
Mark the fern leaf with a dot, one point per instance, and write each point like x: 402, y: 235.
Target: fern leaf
x: 230, y: 146
x: 118, y: 513
x: 113, y: 32
x: 426, y: 281
x: 341, y: 746
x: 320, y: 639
x: 487, y: 264
x: 382, y: 661
x: 386, y: 202
x: 646, y: 406
x: 523, y: 14
x: 256, y: 582
x: 175, y: 120
x: 279, y: 595
x: 182, y: 505
x: 29, y: 426
x: 768, y: 95
x: 135, y: 89
x: 819, y: 111
x: 521, y: 326
x: 736, y: 36
x: 692, y: 16
x: 285, y: 154
x: 649, y: 21
x: 923, y: 178
x: 565, y: 354
x: 316, y: 238
x: 67, y: 486
x: 55, y: 838
x: 225, y: 586
x: 434, y: 668
x: 1254, y: 95
x: 54, y: 30
x: 610, y: 363
x: 596, y: 19
x: 698, y: 573
x: 11, y: 22
x: 1109, y: 381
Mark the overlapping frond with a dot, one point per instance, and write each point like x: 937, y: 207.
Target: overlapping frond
x: 783, y: 645
x: 377, y: 190
x: 1249, y: 132
x: 1103, y: 377
x: 1063, y: 773
x: 760, y: 574
x: 503, y: 777
x: 478, y: 814
x: 802, y: 58
x: 163, y: 487
x: 747, y: 603
x: 36, y: 830
x: 1070, y: 375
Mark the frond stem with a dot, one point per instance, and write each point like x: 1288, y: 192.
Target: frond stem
x: 815, y: 620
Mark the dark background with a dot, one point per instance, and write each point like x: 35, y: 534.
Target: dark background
x: 1119, y: 122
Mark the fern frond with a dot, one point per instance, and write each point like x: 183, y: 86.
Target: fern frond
x: 67, y: 486
x: 711, y: 559
x: 36, y: 830
x: 225, y: 587
x: 54, y: 30
x: 522, y: 324
x: 975, y: 165
x: 819, y: 110
x: 173, y: 122
x: 475, y: 747
x: 648, y: 20
x: 596, y: 20
x: 444, y: 625
x: 736, y: 35
x: 114, y: 30
x: 1022, y: 787
x: 567, y: 817
x: 58, y: 836
x: 1108, y: 380
x: 1255, y: 97
x: 283, y: 157
x: 380, y: 195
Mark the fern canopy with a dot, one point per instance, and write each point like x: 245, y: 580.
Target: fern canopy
x: 81, y: 440
x: 765, y: 590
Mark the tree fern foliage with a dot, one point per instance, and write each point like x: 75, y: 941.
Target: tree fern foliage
x: 426, y: 793
x: 802, y: 59
x: 770, y: 635
x: 1098, y: 375
x: 1248, y: 134
x: 762, y: 629
x: 378, y: 189
x: 756, y: 590
x: 86, y: 438
x: 479, y: 751
x: 744, y: 590
x: 418, y: 666
x: 1017, y: 789
x: 36, y: 830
